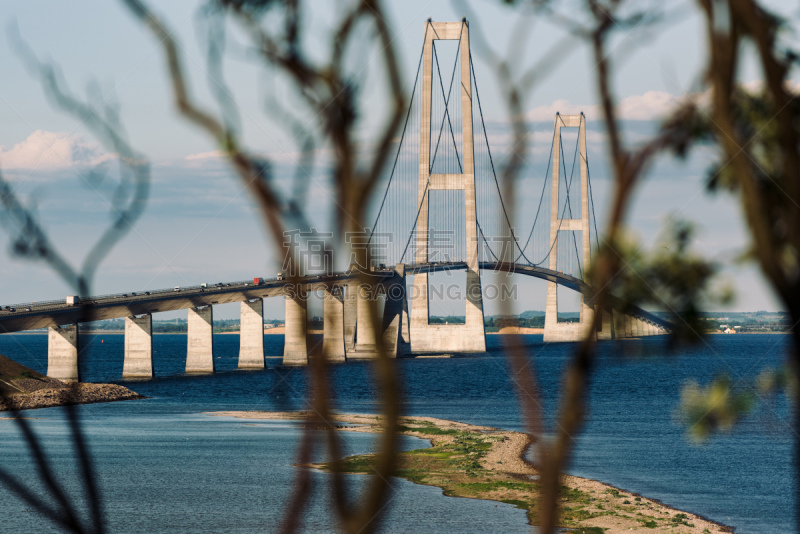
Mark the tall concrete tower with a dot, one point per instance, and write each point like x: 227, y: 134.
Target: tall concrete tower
x: 553, y: 330
x: 425, y: 337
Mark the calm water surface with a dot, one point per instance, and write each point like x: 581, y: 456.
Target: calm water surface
x: 166, y: 467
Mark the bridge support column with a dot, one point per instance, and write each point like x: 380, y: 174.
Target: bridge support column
x: 251, y: 335
x: 62, y: 353
x: 647, y: 328
x: 434, y: 338
x: 138, y: 362
x: 657, y: 330
x: 333, y: 325
x: 619, y: 326
x: 350, y: 316
x: 627, y: 329
x: 366, y: 336
x: 394, y: 311
x: 295, y: 345
x: 607, y: 328
x: 200, y: 341
x: 405, y: 328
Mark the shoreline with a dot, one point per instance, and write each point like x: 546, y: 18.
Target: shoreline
x: 497, y: 470
x: 81, y: 393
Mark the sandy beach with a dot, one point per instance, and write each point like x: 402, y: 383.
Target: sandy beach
x: 511, y: 478
x: 517, y: 330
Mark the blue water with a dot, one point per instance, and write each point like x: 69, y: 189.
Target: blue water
x: 165, y: 467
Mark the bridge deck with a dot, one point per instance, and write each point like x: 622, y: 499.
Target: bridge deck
x: 57, y: 313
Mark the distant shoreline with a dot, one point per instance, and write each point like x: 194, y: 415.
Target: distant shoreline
x: 506, y: 330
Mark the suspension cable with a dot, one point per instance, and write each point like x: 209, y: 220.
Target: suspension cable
x: 428, y: 182
x: 563, y: 213
x: 402, y: 136
x: 416, y: 219
x: 491, y: 161
x: 541, y: 197
x: 489, y: 248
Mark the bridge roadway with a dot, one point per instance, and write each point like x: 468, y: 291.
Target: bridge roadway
x: 32, y: 316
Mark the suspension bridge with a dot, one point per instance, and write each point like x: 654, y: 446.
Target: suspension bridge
x: 459, y: 214
x: 442, y: 210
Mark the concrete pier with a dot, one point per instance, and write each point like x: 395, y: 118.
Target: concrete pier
x: 657, y: 330
x: 138, y: 362
x: 295, y: 346
x: 366, y: 336
x: 200, y: 337
x: 62, y: 353
x: 251, y: 335
x: 350, y: 316
x: 333, y: 345
x: 607, y: 327
x: 625, y: 329
x: 393, y: 314
x: 405, y: 327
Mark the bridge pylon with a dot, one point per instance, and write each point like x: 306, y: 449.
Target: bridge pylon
x: 553, y: 330
x: 426, y: 337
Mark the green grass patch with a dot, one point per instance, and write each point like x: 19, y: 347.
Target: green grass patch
x: 455, y: 466
x: 576, y: 514
x: 432, y: 452
x: 353, y: 464
x: 575, y: 495
x: 495, y: 485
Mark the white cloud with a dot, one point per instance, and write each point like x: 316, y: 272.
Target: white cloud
x: 547, y: 113
x: 214, y: 154
x: 44, y: 150
x: 756, y: 86
x: 651, y: 105
x: 289, y: 156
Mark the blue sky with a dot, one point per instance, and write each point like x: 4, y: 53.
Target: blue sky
x: 199, y: 225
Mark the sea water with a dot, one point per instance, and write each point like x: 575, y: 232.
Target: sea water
x: 164, y: 466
